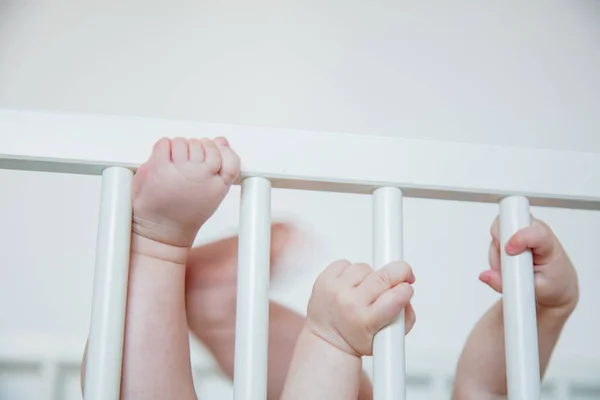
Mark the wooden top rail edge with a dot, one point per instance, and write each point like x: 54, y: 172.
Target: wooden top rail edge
x: 87, y: 144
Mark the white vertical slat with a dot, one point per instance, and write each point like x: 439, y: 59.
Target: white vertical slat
x: 105, y: 346
x: 252, y: 312
x: 520, y: 325
x: 389, y: 365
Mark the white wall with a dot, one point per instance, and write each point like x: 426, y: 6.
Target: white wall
x: 512, y: 74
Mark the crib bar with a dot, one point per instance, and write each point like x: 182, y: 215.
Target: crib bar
x: 252, y: 313
x: 105, y: 346
x: 389, y: 365
x: 520, y: 326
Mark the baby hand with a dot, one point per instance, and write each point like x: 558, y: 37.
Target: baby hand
x: 180, y: 187
x: 556, y: 286
x: 351, y: 302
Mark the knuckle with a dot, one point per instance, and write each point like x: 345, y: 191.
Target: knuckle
x: 398, y: 302
x: 362, y: 318
x: 403, y: 295
x: 322, y: 283
x: 536, y: 236
x: 363, y: 267
x: 331, y: 268
x: 410, y: 291
x: 546, y: 233
x: 319, y: 285
x: 209, y: 144
x: 319, y: 281
x: 406, y: 269
x: 345, y: 301
x: 340, y: 263
x: 383, y: 277
x: 338, y: 298
x: 372, y: 323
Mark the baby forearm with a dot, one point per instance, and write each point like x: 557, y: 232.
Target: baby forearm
x: 156, y: 362
x: 321, y: 371
x: 481, y: 367
x: 481, y: 371
x: 550, y: 324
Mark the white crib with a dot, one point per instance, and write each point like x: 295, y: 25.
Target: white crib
x: 389, y: 168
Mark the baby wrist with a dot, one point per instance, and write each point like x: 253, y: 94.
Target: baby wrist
x: 150, y: 248
x: 315, y: 335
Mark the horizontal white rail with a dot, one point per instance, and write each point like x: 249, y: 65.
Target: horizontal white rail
x: 307, y: 160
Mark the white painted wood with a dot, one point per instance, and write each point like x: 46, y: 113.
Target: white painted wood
x: 520, y: 324
x: 252, y: 310
x: 105, y: 346
x: 309, y: 160
x: 389, y: 359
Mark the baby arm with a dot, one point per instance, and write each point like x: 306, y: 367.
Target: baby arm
x: 481, y: 372
x: 349, y: 304
x: 174, y: 193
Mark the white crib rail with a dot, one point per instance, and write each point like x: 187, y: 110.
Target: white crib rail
x: 308, y: 160
x: 105, y: 346
x: 389, y: 360
x: 520, y: 324
x: 316, y: 161
x: 252, y: 321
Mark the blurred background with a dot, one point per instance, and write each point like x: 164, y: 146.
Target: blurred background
x: 512, y: 73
